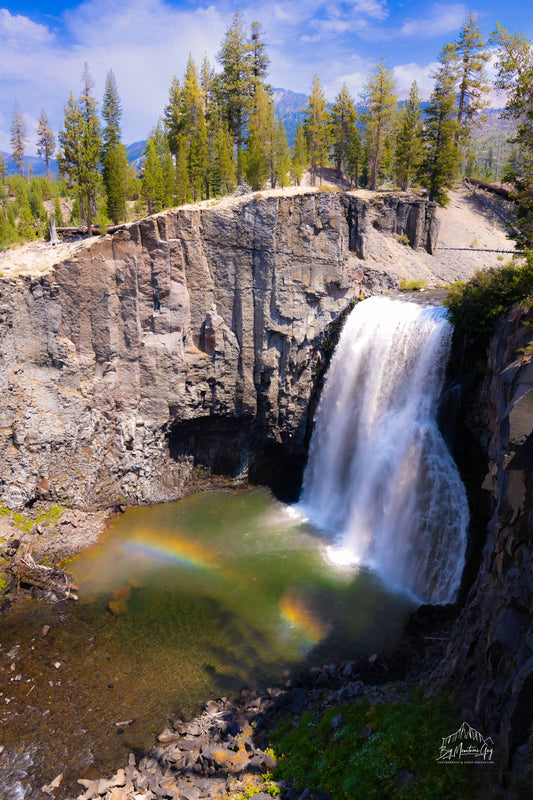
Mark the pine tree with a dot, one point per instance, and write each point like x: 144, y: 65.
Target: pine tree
x: 316, y: 129
x: 3, y: 170
x: 81, y: 146
x: 194, y: 132
x: 115, y: 177
x: 356, y: 157
x: 70, y: 141
x: 18, y: 138
x: 91, y: 147
x: 235, y: 83
x: 282, y: 155
x: 115, y: 166
x: 298, y: 155
x: 46, y: 141
x: 111, y: 113
x: 260, y: 60
x: 381, y: 101
x: 207, y: 82
x: 158, y: 182
x: 58, y: 214
x: 224, y: 173
x: 257, y: 160
x: 440, y: 126
x: 472, y: 56
x: 172, y: 117
x: 182, y: 182
x: 515, y: 77
x: 152, y: 180
x: 342, y: 126
x: 409, y: 142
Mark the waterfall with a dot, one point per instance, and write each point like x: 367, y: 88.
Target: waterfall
x: 379, y: 475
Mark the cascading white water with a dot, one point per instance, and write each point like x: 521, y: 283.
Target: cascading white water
x: 379, y: 475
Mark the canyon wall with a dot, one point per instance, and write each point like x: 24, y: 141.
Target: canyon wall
x: 489, y: 664
x: 184, y: 343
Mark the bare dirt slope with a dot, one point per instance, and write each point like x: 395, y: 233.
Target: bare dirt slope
x: 473, y: 219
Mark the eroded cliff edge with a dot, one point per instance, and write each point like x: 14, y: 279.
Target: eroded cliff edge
x: 186, y: 340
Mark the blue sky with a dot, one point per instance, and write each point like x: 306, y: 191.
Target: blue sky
x: 147, y: 42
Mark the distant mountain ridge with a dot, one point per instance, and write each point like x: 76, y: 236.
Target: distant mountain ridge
x: 37, y: 164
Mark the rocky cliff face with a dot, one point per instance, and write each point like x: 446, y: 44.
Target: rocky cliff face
x: 184, y: 341
x: 490, y: 660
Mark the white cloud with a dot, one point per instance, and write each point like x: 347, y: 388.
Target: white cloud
x: 145, y: 42
x: 441, y: 19
x: 405, y: 74
x: 20, y: 29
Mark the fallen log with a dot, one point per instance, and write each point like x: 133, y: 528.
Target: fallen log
x: 494, y: 188
x: 54, y: 581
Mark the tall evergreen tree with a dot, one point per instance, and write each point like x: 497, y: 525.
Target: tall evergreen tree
x: 515, y: 78
x: 70, y: 141
x: 282, y: 155
x: 342, y: 125
x: 172, y: 117
x: 472, y: 55
x: 224, y: 172
x: 298, y: 155
x: 91, y: 143
x: 381, y: 101
x: 3, y: 170
x: 316, y: 129
x: 152, y: 180
x: 111, y: 113
x: 356, y: 157
x: 45, y: 141
x: 257, y: 160
x: 409, y: 152
x: 194, y: 132
x: 207, y: 82
x: 441, y: 159
x: 18, y: 138
x: 235, y: 83
x: 115, y: 166
x: 259, y: 58
x: 81, y: 147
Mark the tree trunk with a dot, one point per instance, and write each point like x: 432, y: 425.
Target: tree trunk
x: 89, y: 215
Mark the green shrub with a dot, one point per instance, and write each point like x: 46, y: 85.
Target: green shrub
x: 403, y: 238
x: 474, y: 307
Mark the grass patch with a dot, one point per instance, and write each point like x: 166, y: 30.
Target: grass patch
x: 397, y: 760
x: 23, y: 521
x: 412, y: 286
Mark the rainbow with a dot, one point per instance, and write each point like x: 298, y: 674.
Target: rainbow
x: 171, y: 548
x: 295, y: 613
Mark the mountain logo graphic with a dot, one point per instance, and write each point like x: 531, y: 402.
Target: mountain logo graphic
x: 466, y: 746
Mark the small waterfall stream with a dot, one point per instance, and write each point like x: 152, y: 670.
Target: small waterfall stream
x: 379, y: 475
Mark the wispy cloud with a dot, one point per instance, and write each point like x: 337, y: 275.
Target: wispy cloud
x: 441, y: 19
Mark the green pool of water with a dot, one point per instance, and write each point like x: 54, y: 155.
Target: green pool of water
x: 179, y: 603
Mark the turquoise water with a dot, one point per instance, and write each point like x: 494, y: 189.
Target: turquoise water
x: 179, y: 603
